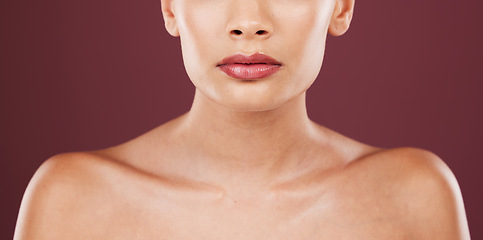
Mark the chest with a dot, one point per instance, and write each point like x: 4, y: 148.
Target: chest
x: 280, y: 219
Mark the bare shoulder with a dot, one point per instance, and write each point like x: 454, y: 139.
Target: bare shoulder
x: 65, y: 185
x: 424, y: 188
x: 413, y: 167
x: 408, y: 162
x: 81, y: 169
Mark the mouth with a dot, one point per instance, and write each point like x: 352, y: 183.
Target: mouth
x: 255, y: 66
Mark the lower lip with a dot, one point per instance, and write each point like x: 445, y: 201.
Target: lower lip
x: 249, y: 71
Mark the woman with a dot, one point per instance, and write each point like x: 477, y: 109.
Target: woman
x: 246, y: 162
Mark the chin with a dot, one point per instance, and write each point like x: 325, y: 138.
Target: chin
x: 246, y: 104
x: 248, y: 96
x: 249, y: 107
x: 253, y: 102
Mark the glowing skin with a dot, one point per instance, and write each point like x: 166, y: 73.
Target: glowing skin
x: 246, y: 162
x: 294, y: 33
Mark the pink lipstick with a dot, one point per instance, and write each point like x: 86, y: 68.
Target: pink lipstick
x: 255, y: 66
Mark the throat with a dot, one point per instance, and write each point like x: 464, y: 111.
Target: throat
x: 249, y: 144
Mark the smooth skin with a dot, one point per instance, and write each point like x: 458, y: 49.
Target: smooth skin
x: 246, y: 162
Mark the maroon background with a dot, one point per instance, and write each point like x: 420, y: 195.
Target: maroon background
x: 82, y: 75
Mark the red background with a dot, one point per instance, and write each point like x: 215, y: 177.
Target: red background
x: 83, y: 75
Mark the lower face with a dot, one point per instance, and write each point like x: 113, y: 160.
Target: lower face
x: 295, y: 37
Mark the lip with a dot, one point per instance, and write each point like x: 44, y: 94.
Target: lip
x: 255, y: 66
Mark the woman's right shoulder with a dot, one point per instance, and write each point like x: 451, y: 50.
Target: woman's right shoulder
x: 72, y: 168
x: 60, y: 188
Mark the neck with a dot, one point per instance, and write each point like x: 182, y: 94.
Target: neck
x: 263, y: 142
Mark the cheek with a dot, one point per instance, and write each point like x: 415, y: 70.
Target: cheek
x: 204, y: 21
x: 305, y: 35
x: 199, y: 28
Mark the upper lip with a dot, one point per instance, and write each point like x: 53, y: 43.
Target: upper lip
x: 256, y: 58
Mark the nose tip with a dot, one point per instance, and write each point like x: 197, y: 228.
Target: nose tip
x: 240, y: 33
x: 249, y: 19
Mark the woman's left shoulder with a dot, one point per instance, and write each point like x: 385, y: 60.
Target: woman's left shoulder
x: 426, y: 188
x: 411, y: 161
x: 417, y: 171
